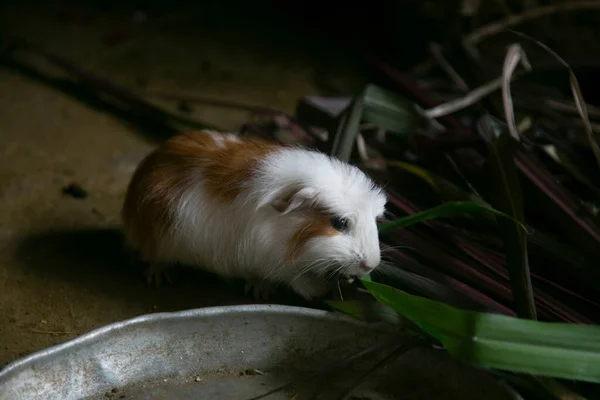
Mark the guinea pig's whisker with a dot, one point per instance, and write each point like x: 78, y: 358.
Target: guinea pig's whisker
x: 398, y: 247
x: 343, y: 267
x: 384, y: 268
x: 313, y: 264
x: 310, y: 267
x: 272, y: 270
x: 331, y: 274
x: 305, y: 271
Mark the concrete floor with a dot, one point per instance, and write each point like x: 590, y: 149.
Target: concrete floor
x: 62, y: 271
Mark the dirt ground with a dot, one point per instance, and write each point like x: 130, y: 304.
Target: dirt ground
x: 62, y: 270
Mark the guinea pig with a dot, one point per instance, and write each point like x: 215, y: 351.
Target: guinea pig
x: 242, y: 207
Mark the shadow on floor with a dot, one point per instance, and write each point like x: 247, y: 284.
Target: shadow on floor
x: 152, y: 127
x: 95, y: 260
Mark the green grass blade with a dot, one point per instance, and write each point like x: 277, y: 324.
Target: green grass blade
x: 445, y: 188
x: 506, y: 196
x: 555, y: 350
x: 451, y: 209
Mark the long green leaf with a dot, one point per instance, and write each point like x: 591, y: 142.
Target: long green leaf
x: 389, y: 111
x: 348, y: 129
x: 381, y: 107
x: 451, y: 209
x: 506, y: 196
x: 556, y: 350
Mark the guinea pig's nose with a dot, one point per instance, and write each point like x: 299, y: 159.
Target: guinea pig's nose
x: 363, y: 265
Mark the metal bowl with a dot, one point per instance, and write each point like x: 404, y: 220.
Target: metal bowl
x: 238, y: 352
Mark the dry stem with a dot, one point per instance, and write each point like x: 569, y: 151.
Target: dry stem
x: 436, y: 52
x: 496, y: 27
x: 514, y: 56
x: 469, y: 99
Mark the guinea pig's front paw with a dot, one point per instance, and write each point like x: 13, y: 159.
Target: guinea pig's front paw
x: 310, y: 287
x: 260, y: 289
x: 157, y: 273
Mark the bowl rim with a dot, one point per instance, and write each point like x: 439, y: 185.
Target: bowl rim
x: 23, y: 363
x: 203, y: 312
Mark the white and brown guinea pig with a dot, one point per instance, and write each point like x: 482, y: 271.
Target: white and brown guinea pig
x: 246, y: 208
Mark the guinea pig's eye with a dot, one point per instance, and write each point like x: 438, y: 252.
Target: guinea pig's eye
x: 339, y: 223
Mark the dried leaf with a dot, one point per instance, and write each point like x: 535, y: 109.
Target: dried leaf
x: 577, y: 96
x: 567, y: 212
x: 565, y: 161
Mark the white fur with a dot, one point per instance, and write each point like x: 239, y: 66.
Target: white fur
x: 250, y: 239
x: 218, y: 138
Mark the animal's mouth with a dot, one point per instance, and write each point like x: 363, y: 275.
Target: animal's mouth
x: 346, y: 276
x: 342, y: 278
x: 355, y: 275
x: 349, y: 278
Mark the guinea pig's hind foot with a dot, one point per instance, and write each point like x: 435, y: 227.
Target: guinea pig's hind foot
x: 157, y: 273
x: 260, y: 289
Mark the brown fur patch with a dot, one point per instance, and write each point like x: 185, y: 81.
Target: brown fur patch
x: 224, y: 164
x: 229, y: 167
x: 317, y: 225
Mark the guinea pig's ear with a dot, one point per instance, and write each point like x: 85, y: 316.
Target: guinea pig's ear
x: 287, y: 202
